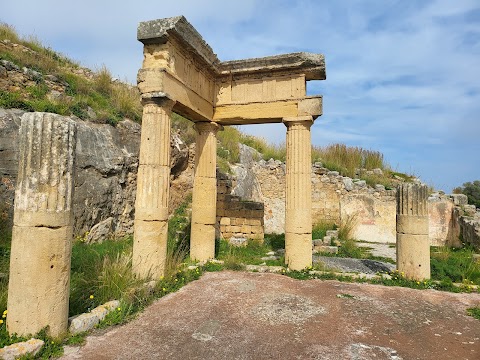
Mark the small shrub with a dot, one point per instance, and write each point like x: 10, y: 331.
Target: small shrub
x: 472, y: 190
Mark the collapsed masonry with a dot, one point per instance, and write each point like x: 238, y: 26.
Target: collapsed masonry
x: 180, y: 73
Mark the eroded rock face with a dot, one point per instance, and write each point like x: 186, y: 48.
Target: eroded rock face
x: 106, y: 170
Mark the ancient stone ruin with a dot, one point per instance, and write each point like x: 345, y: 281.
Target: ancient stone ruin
x: 181, y: 73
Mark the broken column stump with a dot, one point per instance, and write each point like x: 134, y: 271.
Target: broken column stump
x: 39, y: 285
x: 413, y: 245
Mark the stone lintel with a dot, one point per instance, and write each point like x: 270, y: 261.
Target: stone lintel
x: 159, y: 83
x: 312, y: 65
x: 268, y: 112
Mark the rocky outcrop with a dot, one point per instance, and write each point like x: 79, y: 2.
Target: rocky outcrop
x: 106, y: 167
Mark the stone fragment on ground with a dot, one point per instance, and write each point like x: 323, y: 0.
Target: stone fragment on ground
x: 364, y: 266
x: 88, y: 321
x: 21, y: 349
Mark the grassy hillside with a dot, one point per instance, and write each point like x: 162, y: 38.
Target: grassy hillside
x: 45, y: 80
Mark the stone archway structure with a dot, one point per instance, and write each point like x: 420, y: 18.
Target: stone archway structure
x: 181, y: 73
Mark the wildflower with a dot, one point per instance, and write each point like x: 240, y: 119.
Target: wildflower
x: 91, y: 296
x: 164, y: 289
x: 5, y: 312
x: 418, y: 282
x: 1, y: 321
x: 4, y: 316
x: 118, y: 309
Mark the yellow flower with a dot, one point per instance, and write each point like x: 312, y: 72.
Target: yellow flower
x: 118, y: 309
x: 164, y: 289
x: 418, y: 282
x: 161, y: 277
x: 91, y: 296
x: 5, y: 312
x: 1, y: 321
x: 4, y: 316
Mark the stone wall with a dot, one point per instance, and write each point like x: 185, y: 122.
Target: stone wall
x: 237, y: 220
x: 338, y: 199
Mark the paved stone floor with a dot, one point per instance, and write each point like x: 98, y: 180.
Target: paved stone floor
x: 238, y: 315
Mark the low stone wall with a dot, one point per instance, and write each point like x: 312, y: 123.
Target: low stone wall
x: 237, y: 220
x: 336, y: 199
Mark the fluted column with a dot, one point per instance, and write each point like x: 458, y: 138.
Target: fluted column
x: 39, y: 283
x: 298, y: 194
x: 413, y: 246
x: 204, y: 201
x: 153, y: 184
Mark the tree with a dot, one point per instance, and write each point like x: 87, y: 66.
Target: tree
x: 472, y: 190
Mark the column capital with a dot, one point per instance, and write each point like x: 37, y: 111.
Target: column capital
x: 159, y: 99
x: 306, y: 121
x: 207, y: 127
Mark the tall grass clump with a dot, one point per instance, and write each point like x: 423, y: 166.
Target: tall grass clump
x: 346, y: 159
x: 228, y: 148
x: 103, y: 81
x: 126, y: 99
x: 91, y: 265
x: 319, y: 229
x: 178, y: 245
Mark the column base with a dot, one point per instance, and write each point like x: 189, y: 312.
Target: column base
x: 150, y: 248
x: 413, y: 256
x: 202, y: 242
x: 298, y: 251
x: 39, y: 284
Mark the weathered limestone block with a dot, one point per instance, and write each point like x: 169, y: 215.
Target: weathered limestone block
x: 153, y: 184
x: 88, y: 321
x: 298, y: 199
x: 24, y: 348
x: 204, y: 200
x: 413, y: 246
x: 42, y: 233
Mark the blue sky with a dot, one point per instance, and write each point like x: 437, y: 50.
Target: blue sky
x: 403, y: 77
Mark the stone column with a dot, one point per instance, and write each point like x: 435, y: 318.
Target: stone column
x: 39, y: 285
x: 204, y: 201
x: 298, y: 194
x: 413, y: 246
x: 153, y: 185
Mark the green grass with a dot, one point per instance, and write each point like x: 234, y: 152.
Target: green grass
x: 235, y: 257
x: 320, y: 229
x: 475, y: 312
x: 112, y: 102
x: 455, y: 265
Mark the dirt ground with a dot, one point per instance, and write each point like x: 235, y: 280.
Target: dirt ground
x: 238, y: 315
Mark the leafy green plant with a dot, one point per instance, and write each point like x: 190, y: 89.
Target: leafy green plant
x: 475, y: 312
